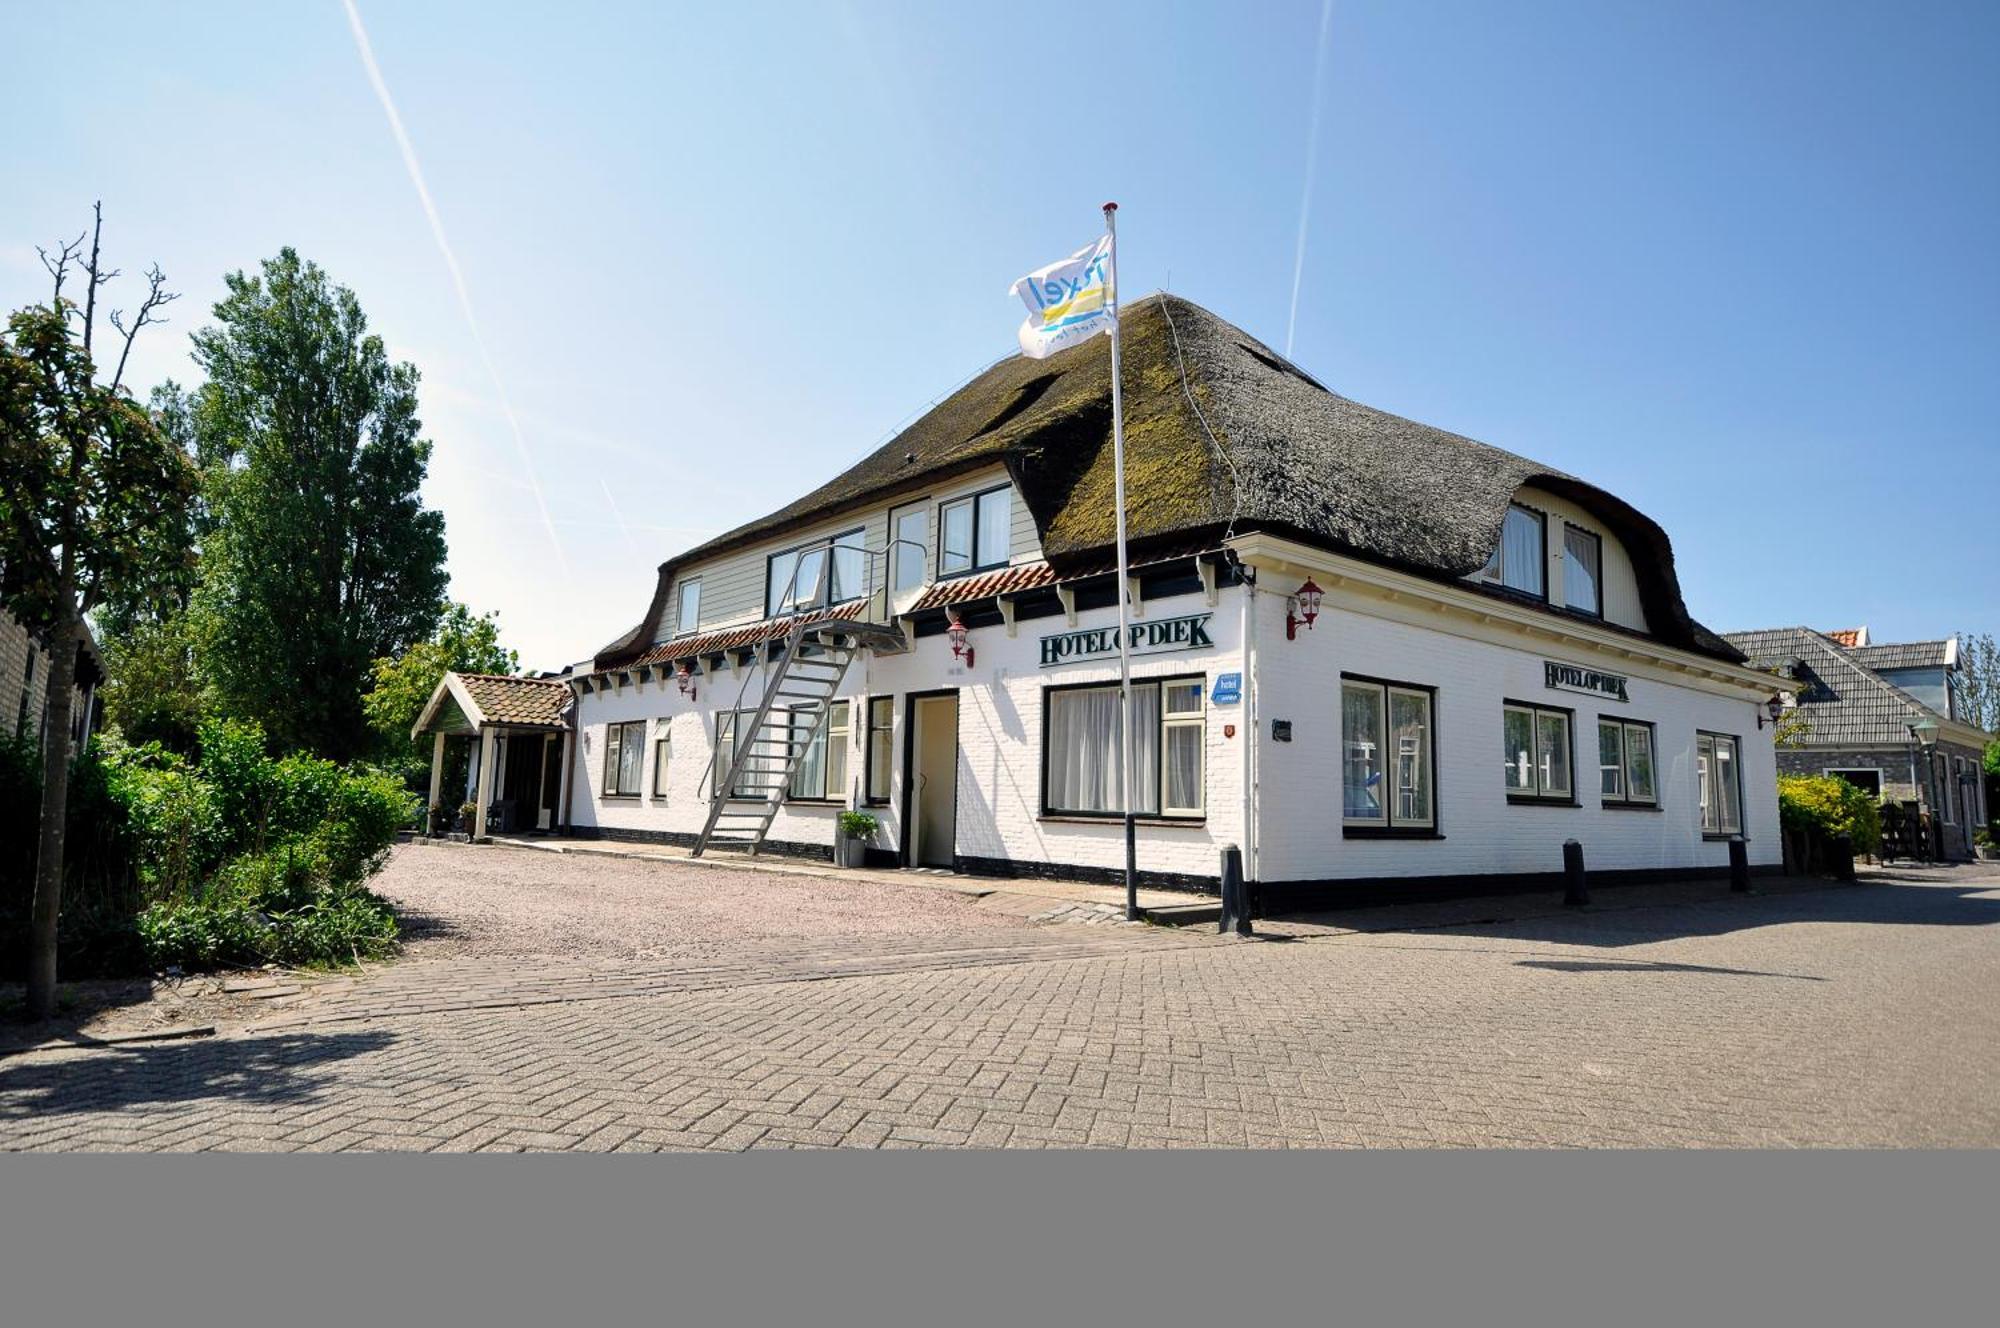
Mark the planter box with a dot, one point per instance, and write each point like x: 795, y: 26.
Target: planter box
x: 849, y: 851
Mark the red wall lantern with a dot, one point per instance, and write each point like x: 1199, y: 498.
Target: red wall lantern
x: 1305, y: 605
x: 955, y: 633
x: 685, y: 677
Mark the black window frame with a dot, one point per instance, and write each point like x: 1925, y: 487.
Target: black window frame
x: 1573, y: 797
x: 663, y: 738
x: 1597, y: 582
x: 608, y: 787
x: 859, y: 534
x: 868, y: 796
x: 937, y: 533
x: 1162, y: 681
x: 1626, y: 800
x: 1389, y: 829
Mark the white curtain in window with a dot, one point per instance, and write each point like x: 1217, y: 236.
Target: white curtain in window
x: 1183, y: 772
x: 1085, y: 763
x: 809, y: 776
x: 996, y: 516
x: 630, y: 754
x: 1581, y: 555
x: 1521, y: 551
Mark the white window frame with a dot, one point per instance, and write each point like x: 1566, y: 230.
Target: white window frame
x: 1596, y: 608
x: 977, y: 563
x: 902, y: 556
x: 831, y: 736
x: 1495, y: 570
x: 1183, y: 721
x: 1542, y: 793
x: 1705, y: 747
x: 616, y: 735
x: 682, y: 627
x: 1389, y: 758
x: 663, y: 750
x: 1191, y: 719
x: 1625, y: 728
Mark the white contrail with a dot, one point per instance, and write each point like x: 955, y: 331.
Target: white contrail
x: 618, y: 516
x: 451, y: 262
x: 1312, y: 160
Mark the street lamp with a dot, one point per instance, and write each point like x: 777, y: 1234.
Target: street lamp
x: 1925, y: 732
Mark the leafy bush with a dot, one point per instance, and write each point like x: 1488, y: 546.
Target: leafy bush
x: 1829, y: 806
x: 283, y: 906
x: 101, y: 892
x: 858, y: 825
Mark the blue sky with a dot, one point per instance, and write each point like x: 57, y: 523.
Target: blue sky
x: 1735, y: 263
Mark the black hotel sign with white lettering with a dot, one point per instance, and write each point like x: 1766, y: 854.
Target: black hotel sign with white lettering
x: 1573, y: 678
x: 1145, y: 638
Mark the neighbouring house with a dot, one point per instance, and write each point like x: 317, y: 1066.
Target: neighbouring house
x: 1865, y: 705
x: 518, y: 737
x: 24, y: 682
x: 1380, y: 658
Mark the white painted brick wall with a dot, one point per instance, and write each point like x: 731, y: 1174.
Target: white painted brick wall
x: 1300, y: 835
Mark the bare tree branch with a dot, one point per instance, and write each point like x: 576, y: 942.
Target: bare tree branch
x: 157, y: 297
x: 58, y: 267
x: 90, y: 290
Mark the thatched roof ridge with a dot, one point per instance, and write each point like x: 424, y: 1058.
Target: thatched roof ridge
x: 1287, y: 455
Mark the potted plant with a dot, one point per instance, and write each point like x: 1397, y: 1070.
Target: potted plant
x: 468, y: 816
x: 850, y: 847
x: 1986, y: 843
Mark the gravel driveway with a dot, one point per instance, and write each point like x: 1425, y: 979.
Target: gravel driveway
x: 460, y: 901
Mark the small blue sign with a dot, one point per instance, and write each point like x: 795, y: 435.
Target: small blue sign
x: 1228, y: 689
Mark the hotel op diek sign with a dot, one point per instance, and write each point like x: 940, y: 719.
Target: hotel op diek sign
x: 1143, y: 638
x: 1576, y: 678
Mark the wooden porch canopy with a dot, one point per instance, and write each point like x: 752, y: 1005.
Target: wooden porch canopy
x: 483, y: 706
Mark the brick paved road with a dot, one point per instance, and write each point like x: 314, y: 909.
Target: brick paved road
x: 1853, y: 1016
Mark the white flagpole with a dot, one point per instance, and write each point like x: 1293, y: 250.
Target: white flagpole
x: 1124, y: 581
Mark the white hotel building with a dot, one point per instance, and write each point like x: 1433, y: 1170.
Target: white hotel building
x: 1499, y: 661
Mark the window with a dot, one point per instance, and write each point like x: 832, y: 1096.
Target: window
x: 687, y: 614
x: 1583, y: 564
x: 1868, y: 781
x: 974, y: 533
x: 1721, y: 783
x: 624, y: 750
x: 1386, y: 756
x: 792, y: 579
x: 732, y: 728
x: 1625, y: 763
x: 911, y: 551
x: 1082, y: 762
x: 1521, y: 561
x: 1536, y: 743
x: 821, y: 774
x: 881, y: 729
x: 663, y: 748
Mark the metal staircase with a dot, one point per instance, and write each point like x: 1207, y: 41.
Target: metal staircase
x: 800, y: 678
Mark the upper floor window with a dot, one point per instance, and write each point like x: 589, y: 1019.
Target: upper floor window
x: 687, y: 612
x: 800, y: 579
x: 974, y: 533
x: 1583, y: 568
x: 910, y: 553
x: 1521, y: 561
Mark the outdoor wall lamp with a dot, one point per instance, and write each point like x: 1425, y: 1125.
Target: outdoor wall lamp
x: 1301, y: 609
x: 955, y: 633
x: 1775, y: 708
x: 685, y: 677
x: 1925, y: 731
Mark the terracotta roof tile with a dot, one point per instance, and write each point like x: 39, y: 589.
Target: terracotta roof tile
x: 505, y: 700
x: 1849, y: 637
x: 736, y: 638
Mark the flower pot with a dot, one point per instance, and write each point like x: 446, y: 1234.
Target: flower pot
x: 849, y: 851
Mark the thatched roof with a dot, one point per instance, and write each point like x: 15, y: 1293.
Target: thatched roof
x: 1288, y: 456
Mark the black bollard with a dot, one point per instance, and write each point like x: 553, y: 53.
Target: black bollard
x: 1739, y: 866
x: 1235, y: 897
x: 1575, y: 892
x: 1843, y: 857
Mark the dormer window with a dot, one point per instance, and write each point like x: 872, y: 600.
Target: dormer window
x: 974, y: 533
x: 687, y: 611
x: 799, y: 578
x: 1583, y: 569
x: 1521, y: 561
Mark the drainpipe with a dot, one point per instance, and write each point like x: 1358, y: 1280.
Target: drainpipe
x: 1248, y: 576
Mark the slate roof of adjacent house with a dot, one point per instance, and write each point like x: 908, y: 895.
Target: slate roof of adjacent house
x: 1907, y: 654
x: 1222, y: 433
x: 1846, y: 701
x: 505, y: 700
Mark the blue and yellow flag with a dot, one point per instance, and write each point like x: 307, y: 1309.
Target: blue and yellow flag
x: 1068, y: 301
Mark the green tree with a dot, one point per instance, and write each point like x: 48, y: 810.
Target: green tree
x: 1978, y: 680
x: 319, y: 555
x: 94, y: 495
x: 403, y: 683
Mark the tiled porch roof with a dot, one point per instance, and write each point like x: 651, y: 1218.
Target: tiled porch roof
x: 1033, y: 576
x: 737, y: 638
x: 505, y: 700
